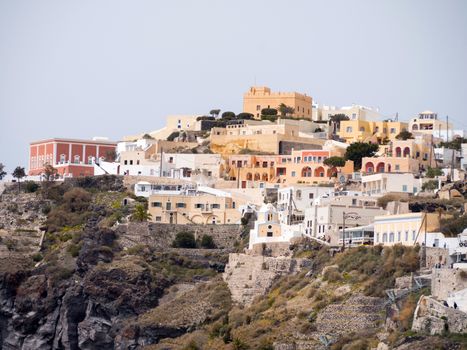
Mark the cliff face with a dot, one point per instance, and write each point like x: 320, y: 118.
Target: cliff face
x: 82, y: 309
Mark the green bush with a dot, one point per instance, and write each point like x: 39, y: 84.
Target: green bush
x: 271, y: 118
x: 30, y: 187
x: 433, y: 172
x: 37, y: 257
x: 430, y: 185
x: 207, y: 242
x: 268, y: 112
x: 184, y: 239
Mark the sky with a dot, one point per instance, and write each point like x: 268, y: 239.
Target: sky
x: 111, y: 68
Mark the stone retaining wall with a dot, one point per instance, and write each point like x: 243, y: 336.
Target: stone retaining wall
x: 444, y: 281
x: 161, y: 236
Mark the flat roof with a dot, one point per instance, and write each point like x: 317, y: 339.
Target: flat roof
x: 61, y: 139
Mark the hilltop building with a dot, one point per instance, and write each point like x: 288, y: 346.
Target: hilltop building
x: 71, y: 157
x: 260, y: 97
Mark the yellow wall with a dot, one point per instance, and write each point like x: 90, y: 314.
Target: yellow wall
x: 362, y: 130
x: 224, y: 214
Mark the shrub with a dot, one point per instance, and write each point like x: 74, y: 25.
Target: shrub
x: 244, y: 115
x: 184, y: 240
x: 37, y: 257
x: 74, y: 249
x: 430, y: 185
x: 30, y: 187
x: 228, y: 115
x: 207, y: 242
x: 77, y: 200
x: 334, y: 161
x: 271, y: 118
x: 433, y: 172
x: 173, y: 135
x: 268, y: 112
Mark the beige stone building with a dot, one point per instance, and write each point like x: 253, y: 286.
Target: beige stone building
x: 427, y: 122
x: 192, y: 205
x: 273, y: 138
x: 260, y: 97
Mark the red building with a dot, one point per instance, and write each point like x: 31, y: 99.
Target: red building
x: 70, y: 157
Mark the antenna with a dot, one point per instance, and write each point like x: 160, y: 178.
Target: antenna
x: 397, y: 117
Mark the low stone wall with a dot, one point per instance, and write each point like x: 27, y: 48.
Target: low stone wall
x: 432, y: 317
x: 444, y: 281
x: 161, y: 236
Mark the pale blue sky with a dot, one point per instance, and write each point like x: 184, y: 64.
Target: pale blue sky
x: 111, y: 68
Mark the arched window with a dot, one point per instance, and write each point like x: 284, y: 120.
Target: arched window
x: 415, y: 127
x: 385, y: 237
x: 348, y: 129
x: 391, y: 237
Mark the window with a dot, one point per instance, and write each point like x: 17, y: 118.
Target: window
x: 293, y: 173
x: 354, y: 115
x: 137, y: 162
x: 311, y: 195
x: 393, y: 130
x: 180, y: 205
x: 233, y: 205
x: 269, y: 234
x: 377, y: 238
x: 398, y: 236
x: 125, y: 162
x: 385, y: 237
x: 131, y: 162
x: 90, y: 160
x: 258, y: 107
x: 199, y: 206
x: 398, y: 167
x: 215, y: 206
x: 413, y: 235
x: 156, y: 204
x: 362, y: 129
x: 391, y: 237
x: 354, y: 201
x: 348, y: 129
x: 298, y: 194
x: 158, y: 218
x: 62, y: 158
x: 76, y: 159
x: 404, y: 188
x: 406, y: 235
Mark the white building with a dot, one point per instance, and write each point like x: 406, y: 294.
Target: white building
x: 382, y: 183
x: 268, y: 229
x: 293, y: 200
x: 325, y: 218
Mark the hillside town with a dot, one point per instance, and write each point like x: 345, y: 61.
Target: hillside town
x: 282, y: 174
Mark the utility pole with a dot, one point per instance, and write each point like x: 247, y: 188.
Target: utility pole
x: 426, y: 224
x: 160, y: 166
x: 447, y: 129
x: 343, y: 231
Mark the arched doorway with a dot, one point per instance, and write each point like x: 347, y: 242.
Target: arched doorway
x: 319, y: 172
x: 406, y: 152
x: 306, y: 172
x: 369, y: 167
x: 380, y: 167
x: 398, y: 151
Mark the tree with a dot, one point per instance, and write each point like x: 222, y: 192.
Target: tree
x: 455, y: 143
x: 207, y: 242
x: 184, y: 239
x: 245, y: 115
x: 19, y: 173
x: 285, y: 110
x: 358, y: 150
x: 111, y: 155
x: 404, y: 135
x: 147, y: 137
x: 319, y: 130
x: 269, y: 111
x: 334, y: 162
x: 228, y: 115
x: 215, y: 112
x: 336, y: 119
x: 140, y: 214
x: 2, y: 171
x: 433, y: 172
x: 50, y: 174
